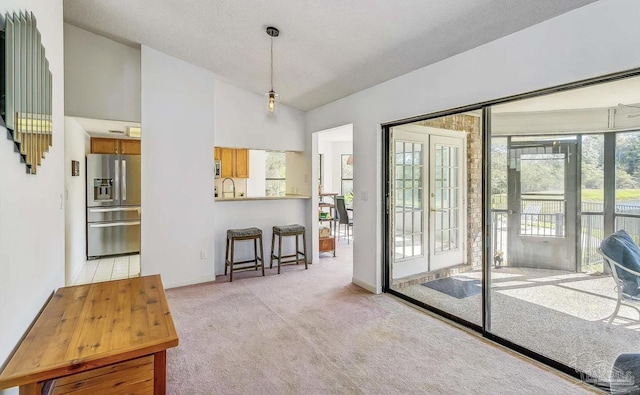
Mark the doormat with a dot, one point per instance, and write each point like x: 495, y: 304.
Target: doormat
x: 458, y: 288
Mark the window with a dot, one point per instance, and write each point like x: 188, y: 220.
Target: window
x: 275, y: 173
x: 346, y: 177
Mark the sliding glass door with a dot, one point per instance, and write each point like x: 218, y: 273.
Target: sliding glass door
x: 500, y: 229
x: 432, y: 258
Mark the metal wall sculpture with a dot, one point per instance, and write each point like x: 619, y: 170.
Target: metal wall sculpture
x: 25, y: 88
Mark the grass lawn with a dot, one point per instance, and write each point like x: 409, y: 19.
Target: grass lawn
x: 596, y: 195
x: 588, y: 195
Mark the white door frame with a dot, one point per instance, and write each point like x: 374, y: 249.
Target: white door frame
x: 424, y: 261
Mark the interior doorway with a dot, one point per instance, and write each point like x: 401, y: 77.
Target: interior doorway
x: 103, y: 200
x: 333, y: 207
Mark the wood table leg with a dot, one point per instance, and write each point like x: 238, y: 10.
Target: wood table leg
x: 160, y: 373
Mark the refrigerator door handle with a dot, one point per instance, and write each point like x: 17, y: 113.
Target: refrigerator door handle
x: 117, y: 181
x: 124, y: 180
x: 114, y: 209
x: 112, y: 224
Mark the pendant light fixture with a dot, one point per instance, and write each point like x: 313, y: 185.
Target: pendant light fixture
x: 272, y: 96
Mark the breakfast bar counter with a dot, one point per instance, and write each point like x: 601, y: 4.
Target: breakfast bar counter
x: 242, y: 198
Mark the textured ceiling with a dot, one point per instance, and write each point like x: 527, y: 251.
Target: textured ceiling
x: 326, y: 50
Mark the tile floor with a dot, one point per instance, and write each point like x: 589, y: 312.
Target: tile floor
x: 110, y: 268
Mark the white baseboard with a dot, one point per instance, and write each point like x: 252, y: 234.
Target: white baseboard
x: 204, y: 279
x: 369, y: 287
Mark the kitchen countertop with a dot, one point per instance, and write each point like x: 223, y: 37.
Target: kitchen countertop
x: 241, y: 198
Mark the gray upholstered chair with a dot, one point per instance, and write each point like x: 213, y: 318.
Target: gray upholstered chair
x: 343, y: 216
x: 625, y: 374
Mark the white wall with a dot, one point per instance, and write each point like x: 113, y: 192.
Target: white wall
x: 76, y: 147
x: 242, y: 122
x: 593, y: 40
x: 177, y: 169
x: 325, y: 148
x: 256, y: 183
x: 31, y: 206
x: 102, y: 77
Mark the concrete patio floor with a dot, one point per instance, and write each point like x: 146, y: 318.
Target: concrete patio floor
x: 561, y: 315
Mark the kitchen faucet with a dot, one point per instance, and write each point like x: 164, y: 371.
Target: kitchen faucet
x: 233, y: 185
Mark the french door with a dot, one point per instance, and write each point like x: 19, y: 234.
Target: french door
x: 447, y: 183
x: 428, y: 200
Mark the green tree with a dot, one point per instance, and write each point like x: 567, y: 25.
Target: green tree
x: 499, y: 167
x: 628, y: 160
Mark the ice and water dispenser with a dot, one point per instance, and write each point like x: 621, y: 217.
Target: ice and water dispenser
x: 102, y: 189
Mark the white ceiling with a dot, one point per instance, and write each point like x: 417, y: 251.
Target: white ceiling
x: 326, y: 49
x: 610, y: 94
x: 103, y: 128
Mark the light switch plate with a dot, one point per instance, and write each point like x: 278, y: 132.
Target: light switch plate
x: 364, y: 196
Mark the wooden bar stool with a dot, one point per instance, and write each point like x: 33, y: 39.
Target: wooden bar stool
x: 234, y: 235
x: 289, y: 230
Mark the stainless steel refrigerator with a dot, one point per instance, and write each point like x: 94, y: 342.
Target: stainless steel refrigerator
x: 113, y: 204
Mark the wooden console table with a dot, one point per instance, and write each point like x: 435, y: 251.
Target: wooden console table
x: 99, y: 338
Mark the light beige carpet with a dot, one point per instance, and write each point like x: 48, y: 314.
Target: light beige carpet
x: 313, y: 332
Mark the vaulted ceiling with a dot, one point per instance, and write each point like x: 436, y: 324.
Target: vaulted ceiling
x: 326, y: 50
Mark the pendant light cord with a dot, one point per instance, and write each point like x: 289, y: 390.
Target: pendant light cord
x: 272, y: 63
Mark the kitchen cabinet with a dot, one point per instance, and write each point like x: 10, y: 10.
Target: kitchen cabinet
x: 130, y: 147
x: 101, y: 145
x: 242, y: 163
x: 234, y: 162
x: 227, y: 168
x: 104, y: 146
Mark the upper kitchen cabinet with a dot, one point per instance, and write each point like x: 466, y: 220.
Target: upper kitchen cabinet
x: 115, y: 146
x: 234, y: 162
x: 104, y: 146
x: 242, y: 163
x: 227, y: 162
x: 130, y: 147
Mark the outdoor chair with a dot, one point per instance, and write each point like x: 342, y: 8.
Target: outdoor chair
x: 622, y: 258
x: 625, y: 374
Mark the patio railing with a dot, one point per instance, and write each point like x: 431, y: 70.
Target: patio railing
x: 542, y: 217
